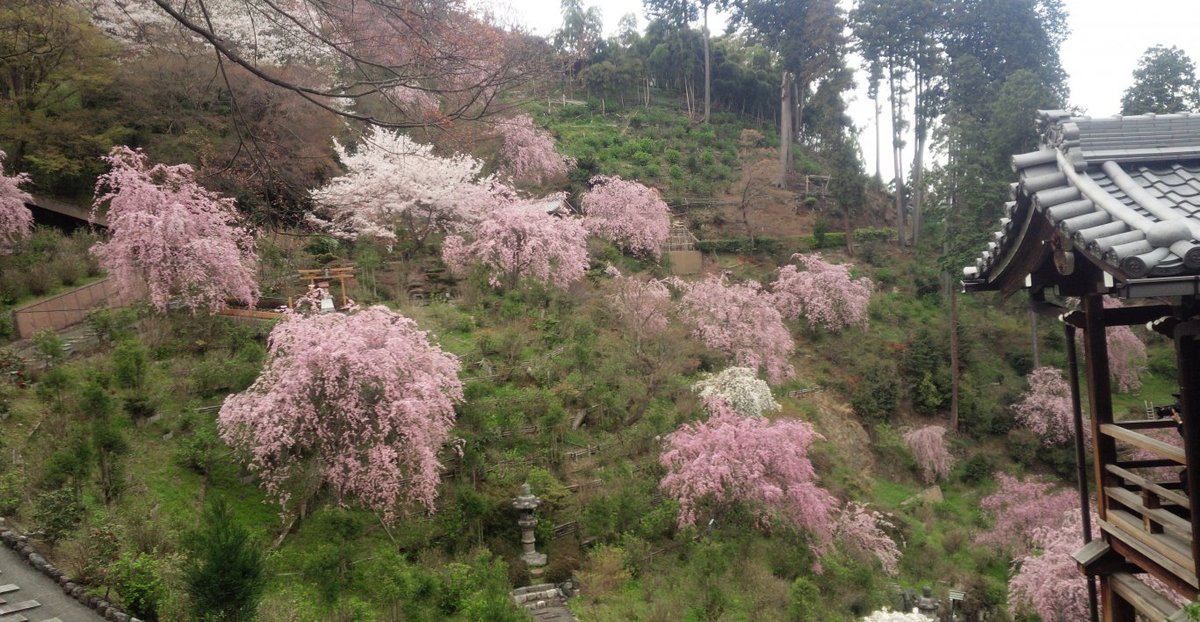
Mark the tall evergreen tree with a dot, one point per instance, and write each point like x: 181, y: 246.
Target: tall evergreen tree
x: 225, y: 573
x: 1164, y: 82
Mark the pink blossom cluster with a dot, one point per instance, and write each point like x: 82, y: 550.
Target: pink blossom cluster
x: 172, y: 236
x: 521, y: 240
x: 1126, y: 353
x: 16, y: 221
x: 1049, y: 583
x: 392, y: 181
x: 1045, y: 409
x: 824, y: 294
x: 528, y: 154
x: 631, y: 215
x: 1021, y: 509
x: 928, y: 446
x: 863, y: 529
x: 731, y: 459
x: 643, y: 305
x: 364, y: 399
x: 740, y: 321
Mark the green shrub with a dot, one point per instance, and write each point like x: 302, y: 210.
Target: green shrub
x: 69, y: 270
x: 40, y: 279
x: 878, y: 392
x: 130, y: 362
x: 11, y: 491
x: 804, y: 601
x: 976, y: 469
x: 12, y: 286
x: 112, y: 324
x: 50, y: 346
x: 874, y: 234
x: 57, y: 513
x: 1023, y: 447
x: 138, y: 581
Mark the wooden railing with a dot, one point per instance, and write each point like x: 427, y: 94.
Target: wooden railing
x: 1151, y: 517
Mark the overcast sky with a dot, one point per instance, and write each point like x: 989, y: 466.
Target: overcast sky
x: 1107, y: 38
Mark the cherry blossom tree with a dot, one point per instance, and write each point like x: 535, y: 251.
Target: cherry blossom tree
x: 632, y: 216
x: 742, y: 390
x: 393, y: 182
x: 863, y: 529
x: 172, y: 236
x: 376, y: 57
x: 528, y: 154
x: 928, y: 445
x: 1021, y: 509
x: 1126, y: 353
x: 360, y: 401
x: 1045, y: 409
x: 1049, y: 583
x: 521, y: 240
x: 730, y: 459
x: 643, y: 305
x: 887, y: 615
x: 824, y: 294
x: 16, y: 221
x: 740, y: 321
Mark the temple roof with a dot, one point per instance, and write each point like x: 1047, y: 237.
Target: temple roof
x: 1122, y: 192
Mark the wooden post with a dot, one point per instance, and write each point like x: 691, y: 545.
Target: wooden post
x: 1187, y: 351
x: 1080, y: 459
x: 1104, y: 449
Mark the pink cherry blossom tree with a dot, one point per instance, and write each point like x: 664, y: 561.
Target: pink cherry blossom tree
x: 1049, y: 582
x: 172, y: 236
x: 360, y: 401
x: 528, y: 155
x: 519, y: 241
x: 864, y: 530
x: 643, y: 305
x: 393, y: 183
x: 740, y: 321
x: 928, y: 445
x: 16, y: 221
x: 632, y: 216
x: 741, y: 388
x: 730, y: 459
x: 824, y: 294
x: 1021, y: 509
x: 1045, y: 409
x: 1126, y: 354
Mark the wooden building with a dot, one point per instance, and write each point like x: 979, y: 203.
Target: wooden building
x: 1111, y: 207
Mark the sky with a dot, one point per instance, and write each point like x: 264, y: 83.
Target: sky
x: 1107, y: 38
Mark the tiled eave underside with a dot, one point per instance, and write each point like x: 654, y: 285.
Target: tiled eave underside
x: 1135, y: 220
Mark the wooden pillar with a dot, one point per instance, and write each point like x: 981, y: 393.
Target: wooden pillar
x: 1187, y: 352
x: 1080, y: 461
x: 1104, y: 448
x: 1116, y: 609
x: 1095, y: 349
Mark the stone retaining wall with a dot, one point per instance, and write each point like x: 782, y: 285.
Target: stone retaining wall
x: 21, y: 545
x: 68, y: 308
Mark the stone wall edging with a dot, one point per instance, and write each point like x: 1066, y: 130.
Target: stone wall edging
x: 20, y: 544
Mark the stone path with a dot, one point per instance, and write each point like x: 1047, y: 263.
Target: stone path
x: 27, y: 595
x: 545, y: 602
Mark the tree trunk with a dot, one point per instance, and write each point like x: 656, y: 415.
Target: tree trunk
x: 1033, y: 330
x: 918, y: 157
x: 849, y: 231
x: 785, y: 129
x: 707, y: 68
x: 954, y: 375
x: 878, y: 168
x: 896, y: 156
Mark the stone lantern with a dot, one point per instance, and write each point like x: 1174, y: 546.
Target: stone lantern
x: 526, y: 504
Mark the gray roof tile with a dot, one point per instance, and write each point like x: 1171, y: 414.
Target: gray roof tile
x: 1129, y: 195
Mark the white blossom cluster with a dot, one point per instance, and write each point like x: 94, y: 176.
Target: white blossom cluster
x: 741, y: 388
x: 887, y: 615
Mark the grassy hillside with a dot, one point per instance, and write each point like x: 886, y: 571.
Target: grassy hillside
x: 558, y: 396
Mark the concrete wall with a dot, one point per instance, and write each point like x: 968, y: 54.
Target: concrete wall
x: 684, y: 262
x: 69, y: 307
